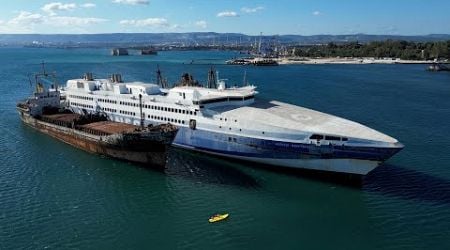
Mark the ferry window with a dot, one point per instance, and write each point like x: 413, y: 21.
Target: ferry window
x: 344, y: 139
x: 316, y: 137
x: 230, y: 129
x: 332, y: 138
x: 195, y: 113
x: 184, y: 111
x: 221, y: 118
x: 240, y: 130
x: 263, y: 132
x: 182, y: 122
x: 225, y: 119
x: 165, y: 109
x: 229, y: 138
x: 235, y: 120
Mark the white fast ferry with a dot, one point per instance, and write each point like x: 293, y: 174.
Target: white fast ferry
x: 232, y: 122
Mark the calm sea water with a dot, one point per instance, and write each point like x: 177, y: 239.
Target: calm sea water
x: 55, y: 196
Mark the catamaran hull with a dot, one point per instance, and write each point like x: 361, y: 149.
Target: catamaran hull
x: 341, y: 159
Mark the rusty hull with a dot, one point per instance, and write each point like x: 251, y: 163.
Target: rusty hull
x: 153, y: 156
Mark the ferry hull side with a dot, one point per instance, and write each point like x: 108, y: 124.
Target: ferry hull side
x: 291, y: 155
x: 348, y: 166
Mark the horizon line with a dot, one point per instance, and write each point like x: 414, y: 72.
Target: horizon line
x: 203, y: 32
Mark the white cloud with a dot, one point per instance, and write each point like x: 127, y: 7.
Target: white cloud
x: 52, y: 8
x: 26, y: 18
x: 27, y: 22
x: 201, y: 24
x: 132, y: 2
x: 251, y: 10
x: 74, y: 21
x: 88, y: 5
x: 24, y: 22
x: 149, y: 22
x: 317, y: 13
x: 227, y: 14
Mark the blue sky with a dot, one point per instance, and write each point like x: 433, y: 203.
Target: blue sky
x: 304, y: 17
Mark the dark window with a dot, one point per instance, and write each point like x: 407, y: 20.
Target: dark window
x: 332, y: 138
x: 223, y: 99
x: 344, y: 139
x: 316, y: 137
x: 235, y: 98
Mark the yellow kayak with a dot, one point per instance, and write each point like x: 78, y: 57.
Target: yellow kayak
x: 218, y: 217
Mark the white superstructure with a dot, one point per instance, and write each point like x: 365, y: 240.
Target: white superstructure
x: 230, y: 122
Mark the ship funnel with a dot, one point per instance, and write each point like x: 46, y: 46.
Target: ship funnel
x: 117, y: 78
x: 88, y: 76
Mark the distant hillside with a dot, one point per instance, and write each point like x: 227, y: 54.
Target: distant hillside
x: 202, y: 38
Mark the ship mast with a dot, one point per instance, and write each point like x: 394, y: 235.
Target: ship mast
x: 159, y: 79
x: 259, y: 44
x: 212, y: 79
x: 140, y: 112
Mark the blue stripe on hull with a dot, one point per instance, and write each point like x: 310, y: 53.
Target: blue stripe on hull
x: 234, y: 145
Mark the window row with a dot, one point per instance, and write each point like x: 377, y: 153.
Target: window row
x: 46, y: 96
x: 87, y: 98
x: 109, y: 110
x: 127, y: 112
x: 82, y: 105
x: 165, y: 119
x: 107, y: 101
x: 132, y: 104
x: 173, y: 110
x: 327, y: 137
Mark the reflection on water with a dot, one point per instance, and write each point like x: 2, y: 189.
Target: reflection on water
x: 408, y: 184
x: 201, y: 168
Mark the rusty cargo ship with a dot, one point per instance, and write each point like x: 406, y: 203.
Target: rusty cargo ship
x: 95, y: 133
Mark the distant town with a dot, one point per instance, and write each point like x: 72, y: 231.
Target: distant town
x: 292, y: 48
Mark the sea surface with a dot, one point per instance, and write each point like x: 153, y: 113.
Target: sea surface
x: 53, y: 196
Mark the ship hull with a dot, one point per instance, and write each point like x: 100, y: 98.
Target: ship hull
x: 341, y: 159
x: 156, y: 155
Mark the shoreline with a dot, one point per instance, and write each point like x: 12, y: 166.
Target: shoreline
x: 364, y: 60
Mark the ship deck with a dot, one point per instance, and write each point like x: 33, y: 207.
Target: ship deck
x: 109, y: 127
x: 97, y: 128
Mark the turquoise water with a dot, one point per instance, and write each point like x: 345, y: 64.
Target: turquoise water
x: 55, y: 196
